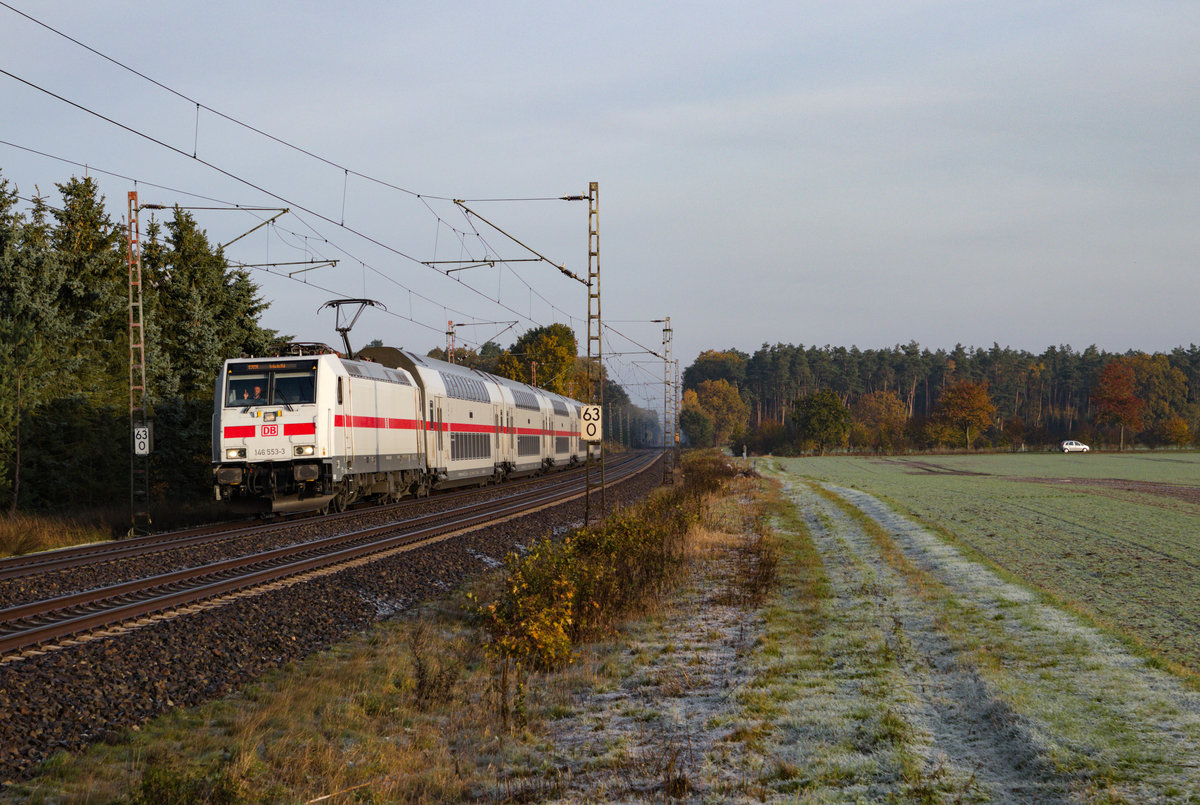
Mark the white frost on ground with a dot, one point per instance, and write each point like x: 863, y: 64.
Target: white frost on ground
x: 970, y: 745
x: 1087, y: 703
x: 664, y: 729
x: 949, y: 685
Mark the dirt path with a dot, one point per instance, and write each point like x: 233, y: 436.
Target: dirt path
x: 962, y: 742
x: 1119, y: 488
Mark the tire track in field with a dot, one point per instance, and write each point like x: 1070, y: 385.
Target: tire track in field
x: 971, y: 745
x: 1119, y: 728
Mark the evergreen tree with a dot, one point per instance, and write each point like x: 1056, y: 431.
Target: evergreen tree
x: 95, y: 290
x: 822, y: 419
x: 200, y: 312
x: 32, y: 330
x: 64, y: 420
x: 204, y: 312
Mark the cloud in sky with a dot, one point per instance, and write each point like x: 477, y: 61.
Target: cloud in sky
x: 861, y: 173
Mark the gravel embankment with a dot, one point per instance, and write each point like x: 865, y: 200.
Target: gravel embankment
x: 69, y: 697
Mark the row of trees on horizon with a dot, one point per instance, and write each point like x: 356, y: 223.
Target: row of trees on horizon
x: 788, y: 399
x: 64, y: 346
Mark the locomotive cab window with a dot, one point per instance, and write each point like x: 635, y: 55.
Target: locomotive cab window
x: 294, y: 388
x: 283, y: 383
x: 247, y: 390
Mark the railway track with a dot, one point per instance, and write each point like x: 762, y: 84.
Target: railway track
x: 38, y: 623
x: 13, y: 567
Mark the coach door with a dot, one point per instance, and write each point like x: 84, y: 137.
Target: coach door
x: 498, y: 456
x: 347, y: 418
x: 419, y: 425
x: 440, y: 430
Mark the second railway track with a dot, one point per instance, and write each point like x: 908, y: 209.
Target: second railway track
x: 36, y: 623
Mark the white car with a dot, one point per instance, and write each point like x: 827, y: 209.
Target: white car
x: 1071, y: 446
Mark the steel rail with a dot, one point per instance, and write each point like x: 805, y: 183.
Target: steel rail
x: 147, y: 585
x: 13, y: 567
x: 115, y: 606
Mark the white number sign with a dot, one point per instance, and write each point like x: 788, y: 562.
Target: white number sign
x: 592, y: 428
x: 143, y: 440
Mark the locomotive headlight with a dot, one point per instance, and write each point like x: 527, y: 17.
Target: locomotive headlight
x: 304, y: 450
x: 235, y: 452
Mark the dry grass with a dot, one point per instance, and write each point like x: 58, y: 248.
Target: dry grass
x: 23, y: 533
x: 385, y: 716
x: 412, y: 711
x: 29, y: 533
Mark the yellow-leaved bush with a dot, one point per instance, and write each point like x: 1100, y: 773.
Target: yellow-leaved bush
x: 558, y: 594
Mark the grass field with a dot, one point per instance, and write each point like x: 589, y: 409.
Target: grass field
x: 1115, y: 537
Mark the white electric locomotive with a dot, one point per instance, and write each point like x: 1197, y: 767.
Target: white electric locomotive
x: 315, y: 430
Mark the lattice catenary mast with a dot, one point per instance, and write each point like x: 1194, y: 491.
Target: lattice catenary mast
x: 668, y: 406
x: 139, y: 428
x: 595, y: 327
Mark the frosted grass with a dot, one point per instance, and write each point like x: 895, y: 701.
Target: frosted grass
x: 1096, y: 708
x: 1128, y: 560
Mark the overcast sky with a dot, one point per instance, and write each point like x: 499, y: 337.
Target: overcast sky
x: 846, y: 173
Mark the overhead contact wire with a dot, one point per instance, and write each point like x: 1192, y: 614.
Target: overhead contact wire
x: 294, y: 204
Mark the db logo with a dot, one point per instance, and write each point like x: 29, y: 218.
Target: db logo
x: 270, y: 430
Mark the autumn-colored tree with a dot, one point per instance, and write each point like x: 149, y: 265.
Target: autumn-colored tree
x: 485, y: 358
x: 1162, y: 387
x: 1115, y: 397
x: 722, y: 402
x: 552, y: 348
x: 964, y: 405
x: 695, y: 422
x: 1173, y: 431
x: 1014, y: 430
x: 877, y: 421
